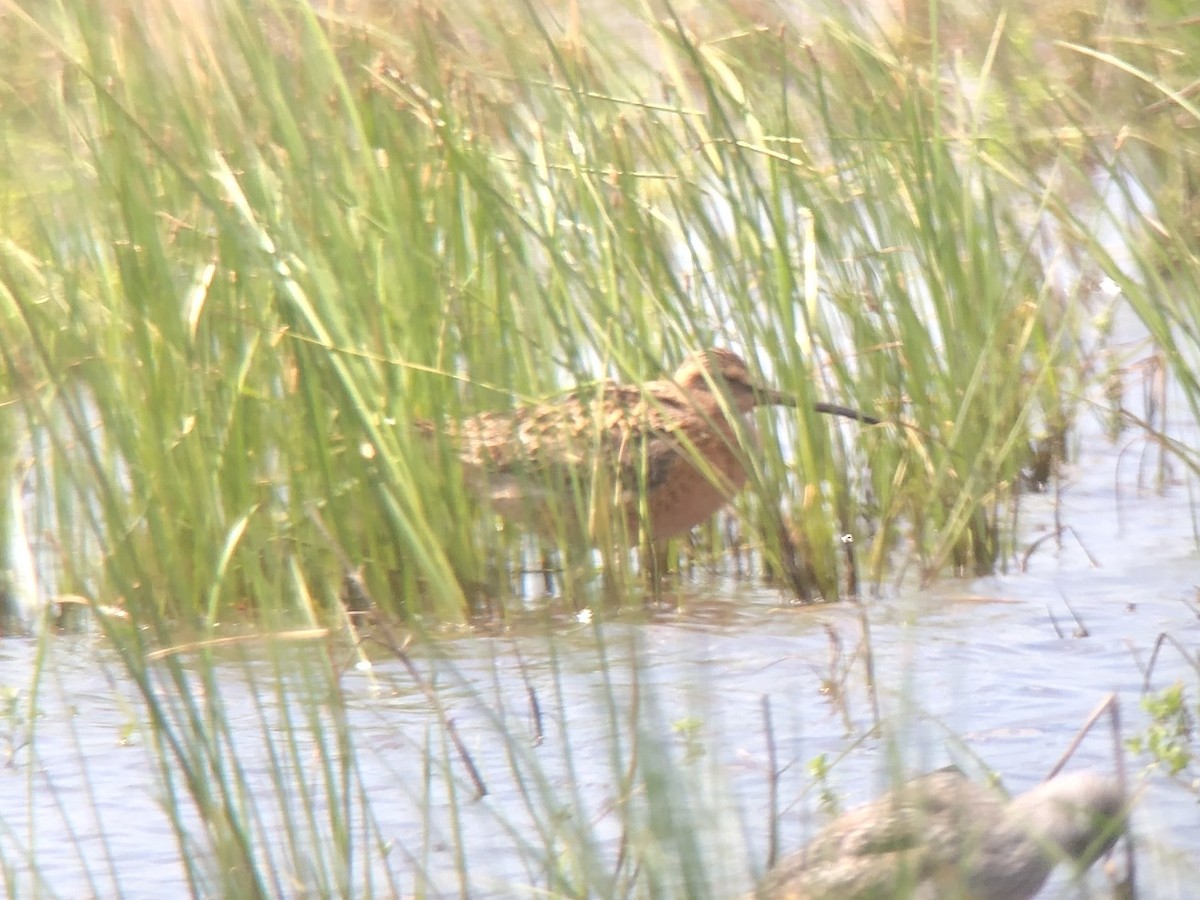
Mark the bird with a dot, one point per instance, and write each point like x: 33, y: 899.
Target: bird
x: 653, y: 459
x: 944, y: 836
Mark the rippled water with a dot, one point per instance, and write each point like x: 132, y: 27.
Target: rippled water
x: 967, y: 668
x: 990, y: 672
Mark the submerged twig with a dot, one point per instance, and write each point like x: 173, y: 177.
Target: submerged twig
x: 388, y: 640
x: 1057, y: 533
x: 1082, y: 630
x: 535, y: 707
x: 476, y: 779
x: 1166, y: 638
x: 772, y: 784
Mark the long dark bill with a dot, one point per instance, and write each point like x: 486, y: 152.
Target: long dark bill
x: 767, y: 397
x: 833, y: 409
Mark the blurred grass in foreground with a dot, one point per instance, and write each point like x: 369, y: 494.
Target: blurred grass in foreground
x: 245, y: 247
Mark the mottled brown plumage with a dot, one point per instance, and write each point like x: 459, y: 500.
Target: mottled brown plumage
x: 942, y: 836
x: 620, y: 459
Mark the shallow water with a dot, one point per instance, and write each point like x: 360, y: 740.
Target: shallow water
x: 999, y: 672
x: 968, y: 670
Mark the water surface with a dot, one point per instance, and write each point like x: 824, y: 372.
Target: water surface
x: 995, y: 673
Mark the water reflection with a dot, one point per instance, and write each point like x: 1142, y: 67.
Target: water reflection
x: 964, y: 672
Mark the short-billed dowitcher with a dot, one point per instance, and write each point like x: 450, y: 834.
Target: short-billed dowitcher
x: 620, y: 459
x: 942, y: 836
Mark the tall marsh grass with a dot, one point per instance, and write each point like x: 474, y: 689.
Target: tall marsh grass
x: 246, y: 248
x: 277, y: 237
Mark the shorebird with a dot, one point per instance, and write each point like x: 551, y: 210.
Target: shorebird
x: 625, y: 460
x: 942, y: 836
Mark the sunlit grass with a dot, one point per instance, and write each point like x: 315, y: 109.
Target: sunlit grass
x: 246, y: 250
x: 293, y: 234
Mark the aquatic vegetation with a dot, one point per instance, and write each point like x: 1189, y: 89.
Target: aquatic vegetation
x: 1168, y: 739
x: 277, y: 240
x: 246, y: 250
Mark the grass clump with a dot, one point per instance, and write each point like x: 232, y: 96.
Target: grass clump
x: 318, y: 275
x: 291, y: 234
x: 248, y: 250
